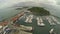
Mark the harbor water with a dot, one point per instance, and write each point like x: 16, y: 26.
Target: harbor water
x: 40, y: 29
x: 36, y: 29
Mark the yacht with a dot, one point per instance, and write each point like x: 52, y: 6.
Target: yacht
x: 55, y: 20
x: 40, y: 22
x: 26, y: 28
x: 29, y: 19
x: 52, y: 31
x: 1, y: 26
x: 4, y: 29
x: 50, y: 21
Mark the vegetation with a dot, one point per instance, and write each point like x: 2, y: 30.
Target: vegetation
x: 39, y: 10
x: 18, y: 8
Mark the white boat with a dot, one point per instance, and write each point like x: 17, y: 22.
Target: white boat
x: 1, y: 27
x: 52, y: 31
x: 5, y: 27
x: 55, y: 20
x: 30, y: 19
x: 50, y: 21
x: 27, y: 19
x: 29, y: 28
x: 26, y: 28
x: 40, y: 22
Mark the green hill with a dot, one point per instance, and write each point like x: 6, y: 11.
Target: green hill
x: 39, y: 10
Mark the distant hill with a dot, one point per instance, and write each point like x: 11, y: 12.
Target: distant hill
x: 39, y: 10
x: 55, y: 10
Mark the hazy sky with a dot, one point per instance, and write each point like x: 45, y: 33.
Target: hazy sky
x: 52, y: 5
x: 8, y: 3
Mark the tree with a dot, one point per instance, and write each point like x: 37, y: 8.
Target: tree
x: 39, y: 10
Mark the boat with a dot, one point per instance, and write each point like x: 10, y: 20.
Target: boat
x: 5, y: 27
x: 40, y: 22
x: 29, y: 19
x: 26, y: 28
x: 55, y: 20
x: 52, y: 31
x: 1, y: 26
x: 50, y: 21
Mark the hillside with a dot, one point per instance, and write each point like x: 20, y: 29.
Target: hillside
x: 39, y: 10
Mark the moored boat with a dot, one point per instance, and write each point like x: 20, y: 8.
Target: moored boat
x: 50, y: 21
x: 40, y: 22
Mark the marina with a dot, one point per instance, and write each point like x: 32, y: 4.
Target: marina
x: 55, y: 20
x: 30, y: 24
x: 50, y: 21
x: 34, y: 28
x: 29, y: 19
x: 40, y: 22
x: 29, y: 16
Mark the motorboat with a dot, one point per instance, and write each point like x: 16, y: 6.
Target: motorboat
x: 52, y: 31
x: 50, y: 21
x: 55, y: 20
x: 40, y: 22
x: 29, y: 19
x: 26, y: 28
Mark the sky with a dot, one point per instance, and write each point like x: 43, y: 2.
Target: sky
x: 52, y: 5
x: 8, y: 3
